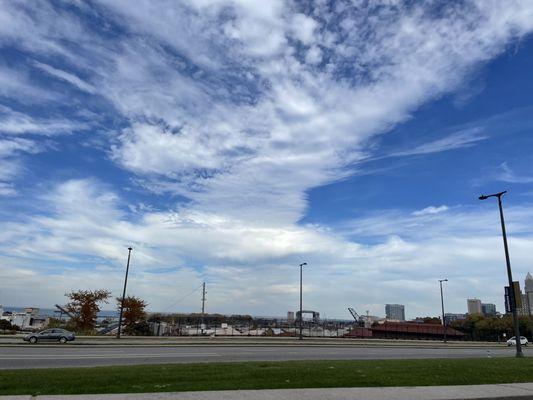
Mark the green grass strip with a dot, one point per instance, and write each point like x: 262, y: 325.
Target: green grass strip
x: 265, y: 375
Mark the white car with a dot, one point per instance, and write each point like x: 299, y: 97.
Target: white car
x: 512, y: 341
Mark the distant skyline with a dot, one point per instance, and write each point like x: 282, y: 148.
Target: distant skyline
x: 230, y: 141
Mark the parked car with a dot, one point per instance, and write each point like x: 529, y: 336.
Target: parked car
x: 512, y: 341
x: 50, y: 335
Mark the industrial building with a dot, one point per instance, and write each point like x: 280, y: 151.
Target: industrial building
x: 405, y: 330
x: 29, y: 319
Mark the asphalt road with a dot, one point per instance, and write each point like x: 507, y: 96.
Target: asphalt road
x: 54, y: 356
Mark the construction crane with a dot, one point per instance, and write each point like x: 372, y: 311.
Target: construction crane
x: 63, y: 311
x: 360, y: 320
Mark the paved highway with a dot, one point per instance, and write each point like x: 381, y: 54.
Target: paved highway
x: 54, y: 356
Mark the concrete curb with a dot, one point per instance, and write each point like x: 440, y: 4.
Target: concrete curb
x: 494, y: 392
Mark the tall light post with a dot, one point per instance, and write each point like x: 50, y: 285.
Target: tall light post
x: 124, y: 293
x: 301, y: 316
x: 509, y: 273
x: 442, y: 306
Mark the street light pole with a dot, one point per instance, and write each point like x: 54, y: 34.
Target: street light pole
x: 442, y: 305
x: 301, y: 316
x: 509, y: 273
x: 124, y: 293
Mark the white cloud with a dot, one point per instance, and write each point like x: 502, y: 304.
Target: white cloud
x: 6, y: 189
x: 454, y: 141
x: 310, y: 123
x: 253, y: 267
x: 17, y: 123
x: 235, y: 104
x: 17, y: 139
x: 508, y: 175
x: 66, y: 76
x: 10, y: 146
x: 227, y: 110
x: 10, y: 166
x: 431, y: 210
x: 313, y: 56
x: 176, y: 151
x: 303, y: 28
x: 17, y: 85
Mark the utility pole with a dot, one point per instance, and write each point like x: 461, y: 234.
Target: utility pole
x: 203, y: 307
x: 123, y: 294
x: 442, y: 305
x: 300, y: 336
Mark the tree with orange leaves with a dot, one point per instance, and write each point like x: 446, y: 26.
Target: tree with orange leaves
x: 133, y: 312
x: 83, y: 308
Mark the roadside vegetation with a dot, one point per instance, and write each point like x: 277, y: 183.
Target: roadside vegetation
x: 477, y: 327
x: 134, y: 316
x: 7, y: 328
x: 264, y: 375
x: 83, y: 308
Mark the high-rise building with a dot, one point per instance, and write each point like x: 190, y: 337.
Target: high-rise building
x: 488, y: 309
x: 290, y: 316
x: 395, y: 311
x: 474, y: 306
x: 527, y: 296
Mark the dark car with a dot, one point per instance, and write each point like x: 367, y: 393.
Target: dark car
x: 50, y: 335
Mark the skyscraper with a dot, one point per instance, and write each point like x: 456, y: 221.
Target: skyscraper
x: 395, y: 311
x: 488, y: 309
x: 474, y: 306
x: 528, y: 294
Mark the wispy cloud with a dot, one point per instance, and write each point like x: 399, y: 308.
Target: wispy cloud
x: 308, y: 125
x: 67, y: 77
x: 17, y: 123
x: 18, y: 86
x: 506, y: 174
x: 10, y: 166
x: 201, y: 128
x: 456, y: 140
x: 431, y: 210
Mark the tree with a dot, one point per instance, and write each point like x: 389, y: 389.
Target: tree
x: 84, y: 308
x: 133, y: 313
x: 431, y: 320
x: 5, y: 325
x: 56, y: 323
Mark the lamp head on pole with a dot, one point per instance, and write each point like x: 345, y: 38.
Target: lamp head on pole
x: 302, y: 264
x: 485, y: 197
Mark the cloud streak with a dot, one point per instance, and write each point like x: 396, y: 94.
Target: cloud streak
x: 458, y: 140
x: 67, y: 77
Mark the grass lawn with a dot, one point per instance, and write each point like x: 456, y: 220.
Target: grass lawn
x: 265, y: 375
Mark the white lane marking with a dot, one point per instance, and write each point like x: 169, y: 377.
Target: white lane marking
x: 73, y: 356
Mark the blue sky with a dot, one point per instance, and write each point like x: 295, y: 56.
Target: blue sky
x: 228, y: 141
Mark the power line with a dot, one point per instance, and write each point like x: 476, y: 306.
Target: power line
x: 183, y: 298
